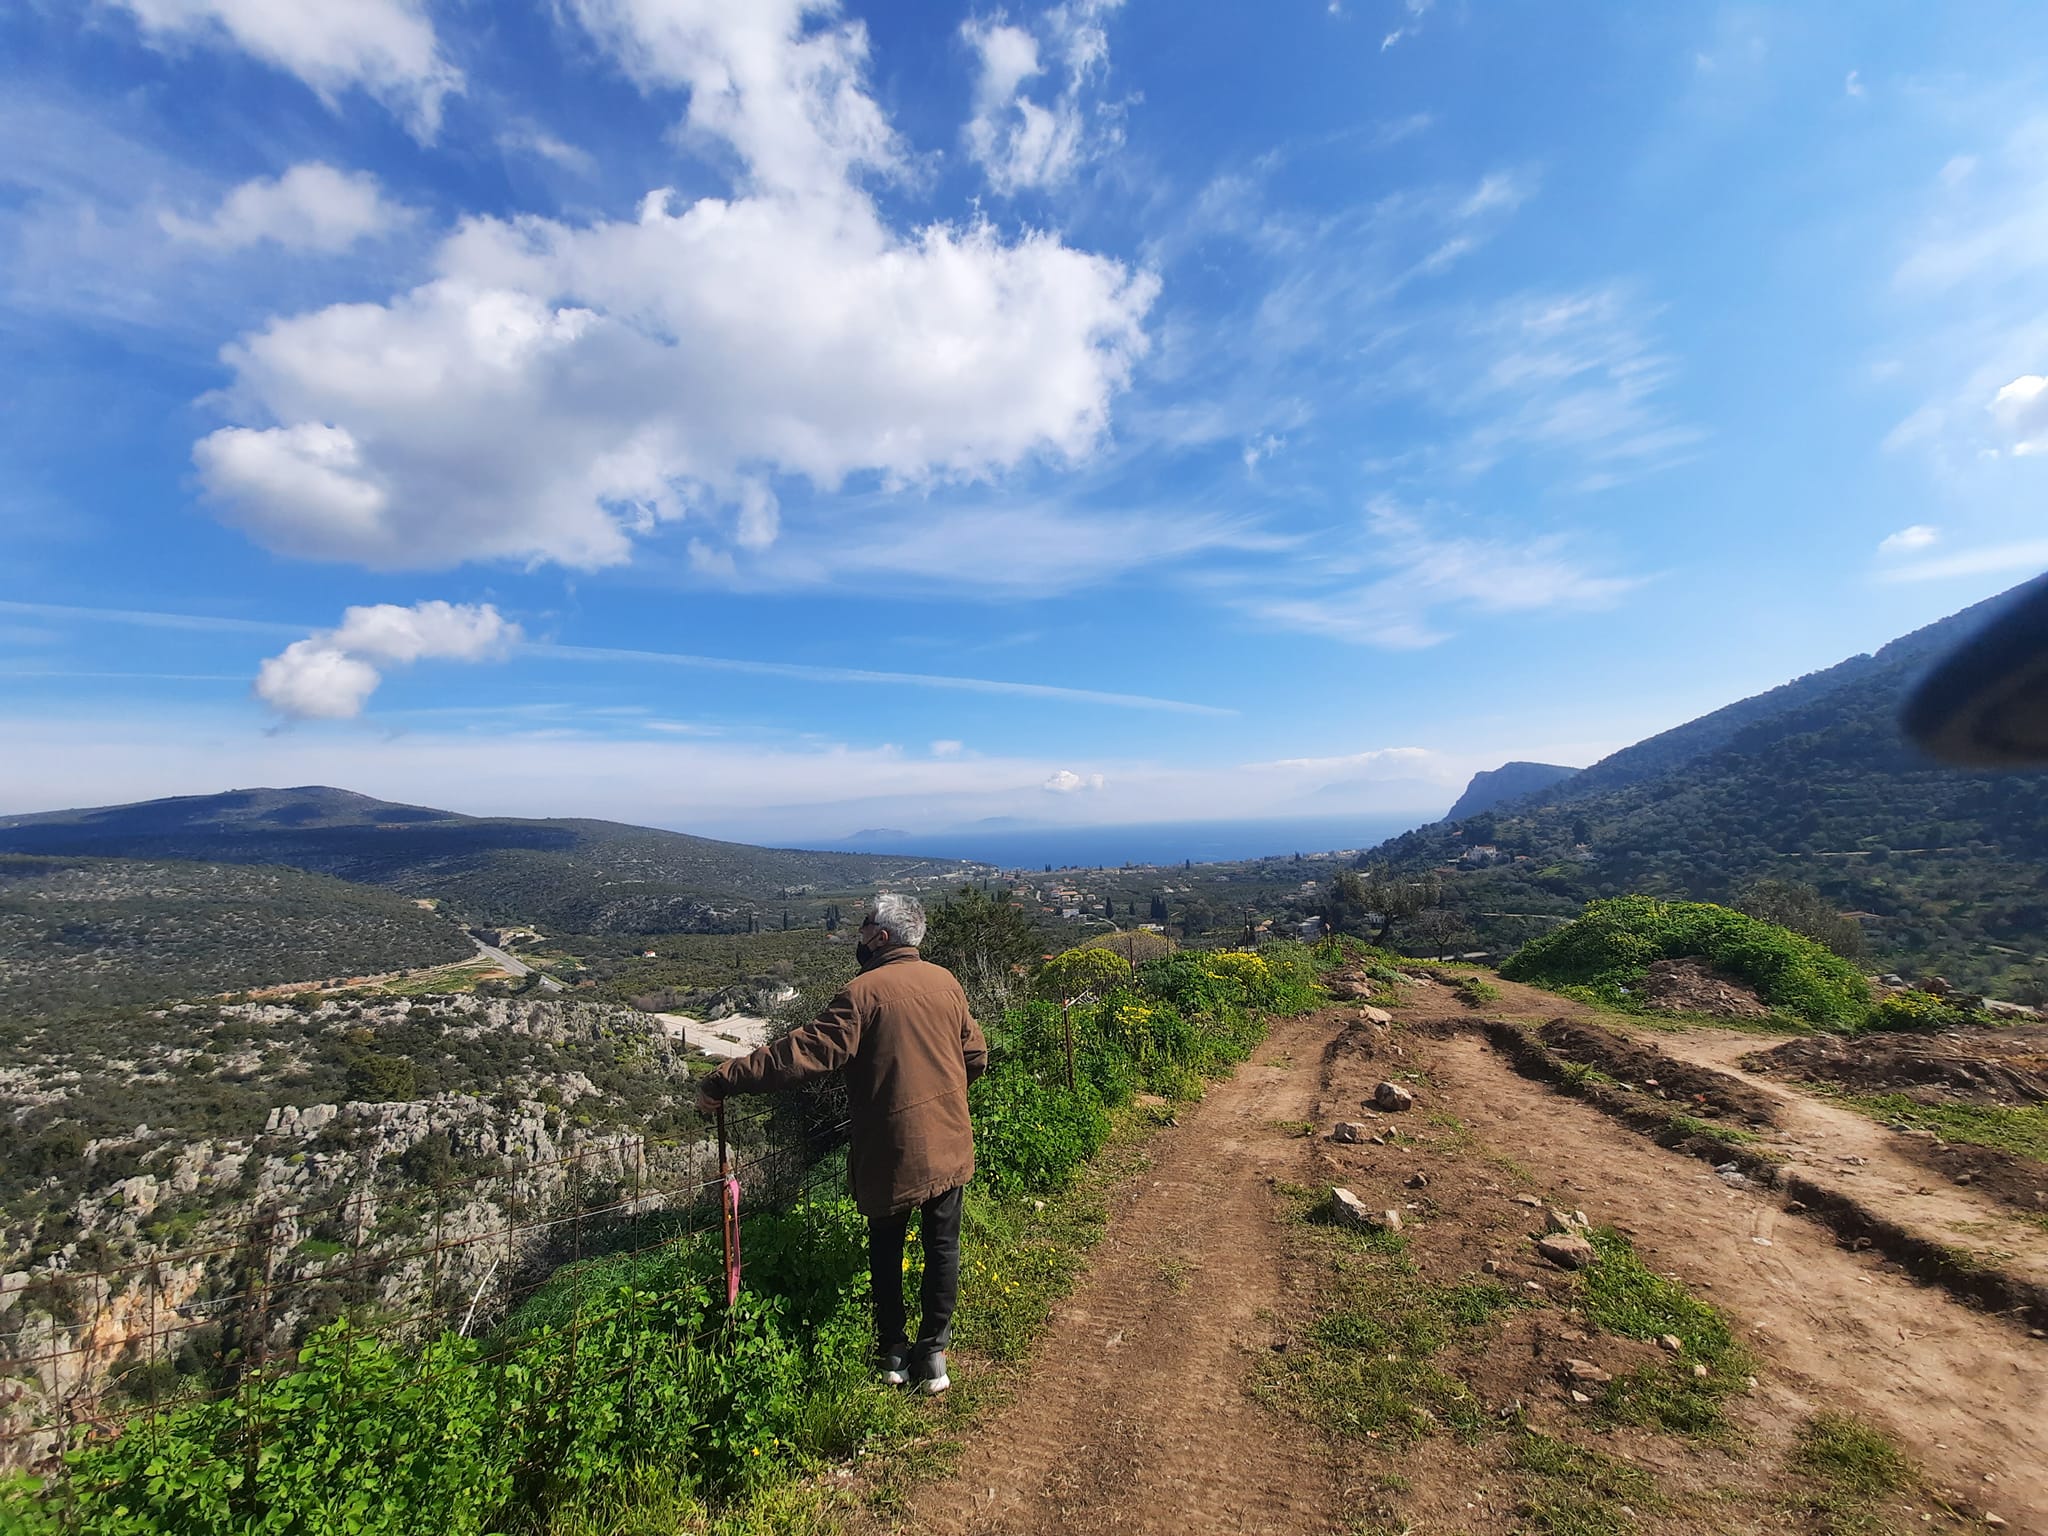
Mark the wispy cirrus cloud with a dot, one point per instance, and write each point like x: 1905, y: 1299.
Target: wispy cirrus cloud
x: 806, y: 672
x: 203, y: 623
x: 1966, y: 288
x: 2016, y: 556
x: 1574, y: 377
x: 1399, y: 584
x: 1411, y: 22
x: 1048, y: 546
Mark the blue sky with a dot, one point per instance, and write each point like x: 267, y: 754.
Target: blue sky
x: 776, y: 419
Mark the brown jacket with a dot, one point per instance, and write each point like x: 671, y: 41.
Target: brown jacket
x: 909, y: 1047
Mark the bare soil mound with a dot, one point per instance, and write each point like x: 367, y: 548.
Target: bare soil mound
x: 1692, y: 986
x: 1988, y: 1067
x: 1983, y: 1066
x: 1649, y: 1070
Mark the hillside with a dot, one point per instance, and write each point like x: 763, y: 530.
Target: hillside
x: 1807, y: 782
x: 1510, y: 781
x: 571, y: 875
x: 81, y: 935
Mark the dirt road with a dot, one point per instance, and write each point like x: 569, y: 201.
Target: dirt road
x: 1134, y: 1417
x: 1134, y: 1414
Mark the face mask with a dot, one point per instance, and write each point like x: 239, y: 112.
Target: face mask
x: 864, y: 953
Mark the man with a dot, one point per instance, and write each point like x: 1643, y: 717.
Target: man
x: 902, y: 1034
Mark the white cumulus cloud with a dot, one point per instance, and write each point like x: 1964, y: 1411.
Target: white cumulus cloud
x: 557, y: 389
x: 1068, y: 782
x: 1021, y: 142
x: 331, y: 675
x: 1907, y: 540
x: 311, y: 207
x: 387, y: 47
x: 2021, y: 411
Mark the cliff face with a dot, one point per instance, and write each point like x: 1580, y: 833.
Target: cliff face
x: 1508, y: 782
x: 168, y: 1261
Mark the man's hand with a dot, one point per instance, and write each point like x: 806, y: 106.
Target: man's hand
x: 707, y: 1106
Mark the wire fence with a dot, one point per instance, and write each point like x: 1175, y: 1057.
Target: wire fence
x: 89, y: 1354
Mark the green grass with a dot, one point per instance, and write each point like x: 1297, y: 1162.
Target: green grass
x: 1623, y: 1295
x: 1366, y: 1366
x: 1571, y: 1491
x: 1580, y: 1073
x: 1016, y: 1261
x: 650, y: 1502
x: 454, y: 978
x: 1855, y: 1469
x: 1457, y: 1135
x: 1693, y: 1125
x: 2022, y: 1131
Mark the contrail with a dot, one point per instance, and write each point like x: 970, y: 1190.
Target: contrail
x: 800, y: 671
x: 858, y: 675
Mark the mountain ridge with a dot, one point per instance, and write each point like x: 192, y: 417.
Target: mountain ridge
x: 575, y: 873
x: 1811, y: 782
x: 1510, y: 781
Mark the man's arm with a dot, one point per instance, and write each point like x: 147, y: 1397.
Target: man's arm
x: 973, y: 1046
x: 816, y: 1049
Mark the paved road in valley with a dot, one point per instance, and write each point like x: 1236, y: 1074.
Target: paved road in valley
x: 515, y: 967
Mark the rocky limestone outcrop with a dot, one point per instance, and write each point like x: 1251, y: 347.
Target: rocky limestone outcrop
x: 422, y: 1209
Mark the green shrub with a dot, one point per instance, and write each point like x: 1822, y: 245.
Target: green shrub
x: 1032, y: 1135
x: 1185, y: 982
x: 1916, y: 1010
x: 1607, y: 951
x: 617, y: 1364
x: 1081, y: 973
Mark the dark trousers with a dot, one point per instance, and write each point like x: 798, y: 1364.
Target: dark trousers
x: 940, y: 1225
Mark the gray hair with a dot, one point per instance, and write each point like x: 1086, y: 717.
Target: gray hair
x: 902, y: 915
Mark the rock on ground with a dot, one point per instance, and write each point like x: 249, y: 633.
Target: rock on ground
x: 1352, y: 1212
x: 1566, y: 1251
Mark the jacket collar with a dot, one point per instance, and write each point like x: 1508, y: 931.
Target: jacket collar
x: 890, y: 956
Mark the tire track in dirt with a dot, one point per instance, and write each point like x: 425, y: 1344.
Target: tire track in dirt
x: 1835, y: 1143
x: 1963, y: 1392
x: 1134, y: 1416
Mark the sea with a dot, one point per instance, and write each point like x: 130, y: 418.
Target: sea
x: 1153, y: 842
